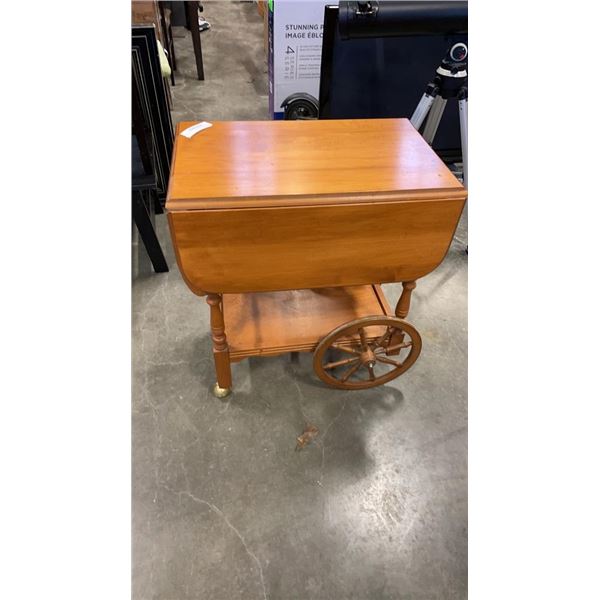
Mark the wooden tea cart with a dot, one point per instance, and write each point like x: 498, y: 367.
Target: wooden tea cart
x: 289, y: 227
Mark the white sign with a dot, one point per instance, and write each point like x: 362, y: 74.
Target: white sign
x: 297, y: 39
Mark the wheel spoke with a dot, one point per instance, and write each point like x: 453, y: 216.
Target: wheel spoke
x: 350, y: 372
x: 397, y: 347
x: 345, y: 349
x: 387, y: 361
x: 339, y: 363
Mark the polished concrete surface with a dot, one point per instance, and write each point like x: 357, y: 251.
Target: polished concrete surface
x: 223, y: 506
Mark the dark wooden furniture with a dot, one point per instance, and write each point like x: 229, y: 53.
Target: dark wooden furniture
x: 288, y: 227
x: 150, y: 85
x: 144, y: 198
x: 167, y: 34
x: 146, y: 12
x: 144, y: 206
x: 153, y: 12
x: 151, y: 141
x: 191, y: 11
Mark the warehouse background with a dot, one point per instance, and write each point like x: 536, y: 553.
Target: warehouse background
x: 223, y: 505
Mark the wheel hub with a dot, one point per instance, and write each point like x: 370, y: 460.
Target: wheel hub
x: 368, y: 357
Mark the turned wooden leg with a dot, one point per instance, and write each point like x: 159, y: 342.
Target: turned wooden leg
x: 401, y: 312
x: 404, y: 303
x: 220, y: 349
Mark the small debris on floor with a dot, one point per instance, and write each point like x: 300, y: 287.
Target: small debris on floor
x: 308, y: 435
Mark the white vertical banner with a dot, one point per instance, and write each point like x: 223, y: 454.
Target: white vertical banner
x: 297, y: 43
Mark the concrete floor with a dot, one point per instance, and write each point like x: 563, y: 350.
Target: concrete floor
x: 236, y: 85
x: 223, y: 506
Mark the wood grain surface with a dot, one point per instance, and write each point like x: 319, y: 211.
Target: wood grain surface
x: 276, y: 163
x: 267, y: 249
x: 278, y: 322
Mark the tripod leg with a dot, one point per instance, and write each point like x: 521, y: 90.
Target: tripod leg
x: 421, y: 111
x: 462, y: 113
x: 435, y: 116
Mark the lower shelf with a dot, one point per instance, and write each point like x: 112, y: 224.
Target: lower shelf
x: 270, y: 323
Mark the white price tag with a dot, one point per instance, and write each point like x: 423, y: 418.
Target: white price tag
x: 194, y: 129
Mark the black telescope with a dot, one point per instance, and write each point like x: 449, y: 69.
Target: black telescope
x: 366, y: 19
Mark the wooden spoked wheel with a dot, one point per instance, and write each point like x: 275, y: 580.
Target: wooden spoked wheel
x: 366, y: 352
